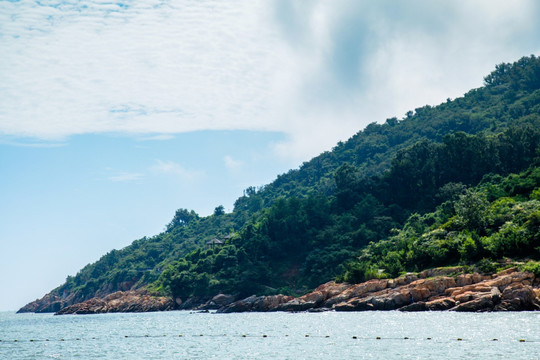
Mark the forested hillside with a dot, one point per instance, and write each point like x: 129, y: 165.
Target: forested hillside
x: 430, y: 189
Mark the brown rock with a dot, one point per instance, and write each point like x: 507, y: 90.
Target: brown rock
x: 440, y: 304
x: 420, y: 293
x: 256, y: 303
x: 481, y: 302
x: 121, y: 301
x: 517, y: 297
x: 417, y: 306
x: 223, y: 299
x: 316, y: 297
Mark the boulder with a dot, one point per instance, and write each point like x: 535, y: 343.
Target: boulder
x: 223, y: 299
x: 481, y: 302
x: 356, y: 305
x: 296, y: 305
x: 256, y: 303
x: 440, y: 304
x: 417, y: 306
x: 517, y: 297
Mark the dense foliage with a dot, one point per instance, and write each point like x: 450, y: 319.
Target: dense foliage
x: 498, y: 218
x: 432, y: 188
x: 299, y: 243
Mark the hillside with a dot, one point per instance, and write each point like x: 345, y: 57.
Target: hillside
x: 311, y: 224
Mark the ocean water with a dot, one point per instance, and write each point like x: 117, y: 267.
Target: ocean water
x: 186, y: 335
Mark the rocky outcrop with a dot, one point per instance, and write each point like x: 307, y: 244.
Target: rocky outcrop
x: 430, y: 290
x: 256, y: 303
x: 48, y: 303
x: 58, y: 299
x: 217, y: 302
x: 121, y: 301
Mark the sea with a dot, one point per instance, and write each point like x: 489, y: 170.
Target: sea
x: 327, y: 335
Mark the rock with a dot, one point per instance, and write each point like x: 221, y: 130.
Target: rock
x: 216, y: 302
x: 48, y: 303
x: 318, y: 310
x: 191, y: 303
x: 316, y: 298
x: 121, y: 301
x: 355, y: 291
x: 355, y: 305
x: 440, y: 284
x: 440, y: 304
x: 419, y: 293
x: 296, y: 305
x: 223, y: 299
x: 481, y: 302
x: 417, y: 306
x: 272, y: 303
x: 518, y: 297
x: 431, y: 290
x: 256, y: 303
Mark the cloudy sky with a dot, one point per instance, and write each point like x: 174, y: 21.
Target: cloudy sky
x: 115, y: 114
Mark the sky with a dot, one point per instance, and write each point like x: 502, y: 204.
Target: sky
x: 113, y: 114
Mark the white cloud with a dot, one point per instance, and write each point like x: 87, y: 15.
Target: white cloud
x: 126, y: 176
x: 160, y: 137
x: 231, y: 163
x: 318, y: 71
x: 174, y: 168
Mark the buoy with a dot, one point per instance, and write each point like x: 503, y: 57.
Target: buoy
x: 265, y: 335
x: 429, y: 338
x: 243, y: 335
x: 180, y: 335
x: 77, y: 339
x: 31, y: 340
x: 307, y: 335
x: 406, y: 338
x: 495, y: 339
x: 378, y: 338
x: 327, y: 336
x: 354, y: 337
x: 15, y: 340
x: 62, y: 340
x: 459, y: 339
x: 521, y: 340
x: 125, y: 336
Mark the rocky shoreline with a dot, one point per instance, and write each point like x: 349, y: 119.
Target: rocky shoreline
x: 121, y: 301
x: 430, y: 290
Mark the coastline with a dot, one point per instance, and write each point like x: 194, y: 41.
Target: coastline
x: 440, y: 289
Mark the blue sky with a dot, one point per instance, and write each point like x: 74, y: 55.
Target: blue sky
x: 115, y: 114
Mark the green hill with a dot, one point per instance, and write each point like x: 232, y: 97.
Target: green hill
x: 370, y: 203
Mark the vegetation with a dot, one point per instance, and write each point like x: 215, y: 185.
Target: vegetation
x: 455, y: 183
x: 498, y: 218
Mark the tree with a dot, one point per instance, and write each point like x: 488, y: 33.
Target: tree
x: 182, y: 217
x: 471, y: 209
x: 219, y: 210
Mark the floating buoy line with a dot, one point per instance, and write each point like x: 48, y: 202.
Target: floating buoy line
x: 307, y: 336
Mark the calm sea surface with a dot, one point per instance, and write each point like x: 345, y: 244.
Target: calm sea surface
x: 330, y: 335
